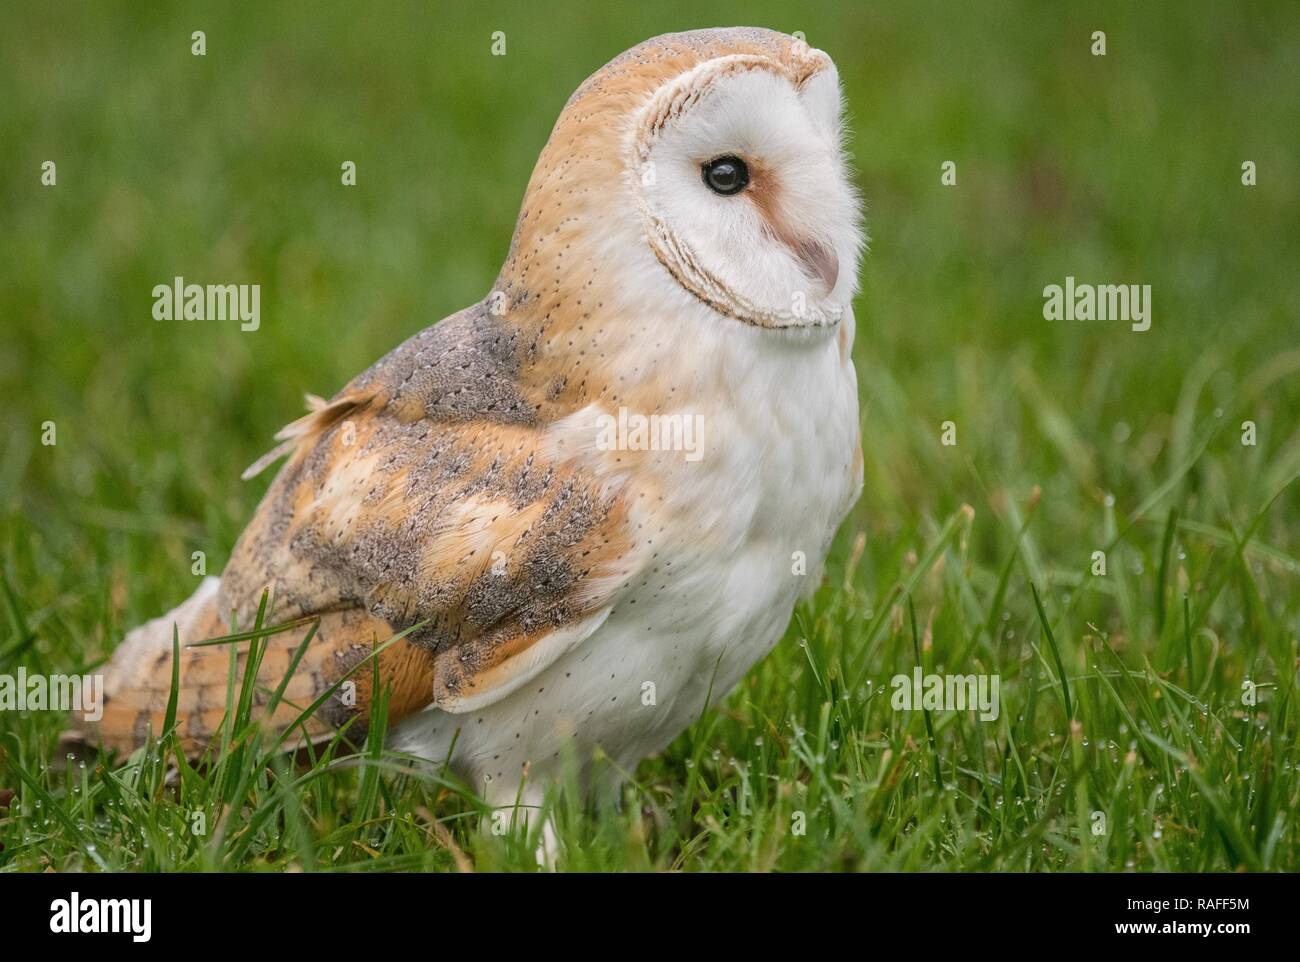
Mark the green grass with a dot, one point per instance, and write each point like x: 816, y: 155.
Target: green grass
x: 1120, y: 694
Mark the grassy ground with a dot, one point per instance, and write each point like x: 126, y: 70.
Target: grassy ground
x: 1123, y: 695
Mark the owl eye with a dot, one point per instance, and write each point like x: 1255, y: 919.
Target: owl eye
x: 725, y: 175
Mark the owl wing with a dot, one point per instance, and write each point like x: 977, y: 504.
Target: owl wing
x: 422, y: 494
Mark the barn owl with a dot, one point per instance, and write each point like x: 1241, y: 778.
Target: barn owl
x: 600, y: 491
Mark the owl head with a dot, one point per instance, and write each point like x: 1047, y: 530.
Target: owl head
x: 711, y: 161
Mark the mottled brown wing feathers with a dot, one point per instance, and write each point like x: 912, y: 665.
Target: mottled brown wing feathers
x: 419, y: 495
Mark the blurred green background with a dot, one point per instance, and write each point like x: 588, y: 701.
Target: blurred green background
x: 226, y: 168
x: 1123, y: 168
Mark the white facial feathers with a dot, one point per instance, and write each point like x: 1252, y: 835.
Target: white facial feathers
x: 783, y: 251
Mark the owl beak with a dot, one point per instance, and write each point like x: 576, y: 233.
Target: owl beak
x: 819, y: 262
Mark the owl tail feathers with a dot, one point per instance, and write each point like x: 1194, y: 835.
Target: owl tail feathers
x: 137, y: 684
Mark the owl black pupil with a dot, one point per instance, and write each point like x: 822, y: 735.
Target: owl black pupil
x: 726, y: 175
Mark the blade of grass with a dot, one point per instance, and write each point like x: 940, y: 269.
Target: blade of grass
x: 1166, y: 547
x: 929, y: 724
x: 1056, y: 654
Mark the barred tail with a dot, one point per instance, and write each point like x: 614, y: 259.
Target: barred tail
x: 138, y: 680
